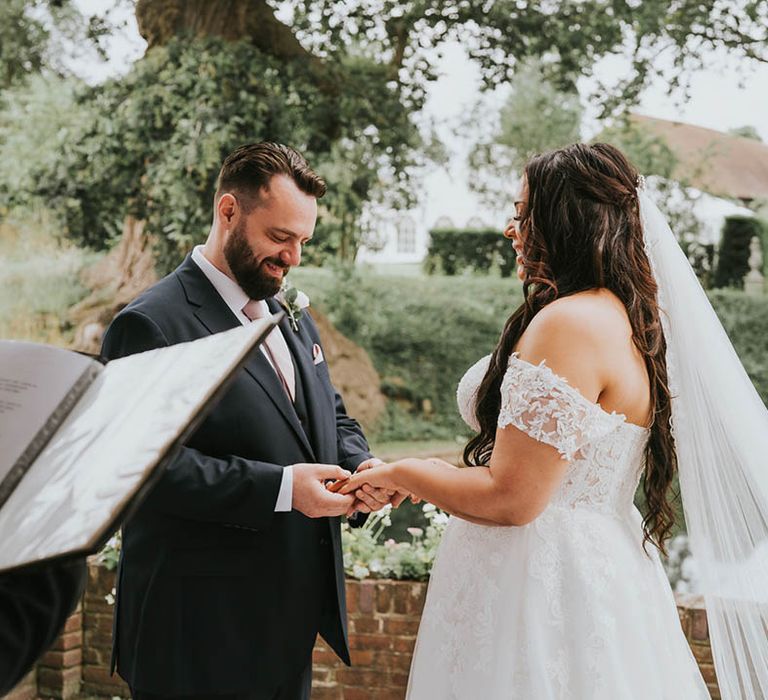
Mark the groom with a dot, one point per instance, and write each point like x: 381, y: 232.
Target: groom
x: 233, y: 564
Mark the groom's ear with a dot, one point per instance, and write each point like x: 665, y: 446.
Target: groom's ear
x: 226, y: 208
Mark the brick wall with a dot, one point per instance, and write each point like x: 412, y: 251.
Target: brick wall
x: 383, y: 621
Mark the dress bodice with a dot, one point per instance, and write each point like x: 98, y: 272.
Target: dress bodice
x: 605, y: 452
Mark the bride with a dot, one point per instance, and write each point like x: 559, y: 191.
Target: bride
x: 548, y: 582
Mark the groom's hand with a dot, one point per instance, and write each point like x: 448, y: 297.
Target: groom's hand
x: 310, y: 496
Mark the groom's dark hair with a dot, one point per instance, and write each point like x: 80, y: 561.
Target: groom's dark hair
x: 249, y: 169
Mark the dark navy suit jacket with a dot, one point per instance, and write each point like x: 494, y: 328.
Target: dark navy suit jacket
x: 216, y: 592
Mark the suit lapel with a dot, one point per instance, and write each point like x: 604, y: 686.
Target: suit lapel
x: 214, y: 314
x: 320, y: 410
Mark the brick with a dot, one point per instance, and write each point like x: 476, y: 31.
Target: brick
x: 699, y: 627
x: 324, y: 657
x: 403, y: 645
x: 60, y: 683
x: 98, y: 639
x: 353, y: 588
x: 74, y: 622
x: 95, y: 656
x: 388, y: 694
x: 323, y: 675
x: 362, y: 657
x: 401, y: 626
x: 703, y: 653
x: 320, y: 692
x: 362, y: 678
x: 366, y: 625
x: 409, y: 598
x: 371, y: 641
x: 62, y: 659
x: 398, y: 680
x: 97, y: 681
x: 366, y: 596
x: 708, y: 672
x: 70, y: 640
x: 396, y: 662
x: 384, y: 597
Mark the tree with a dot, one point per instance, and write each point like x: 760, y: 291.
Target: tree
x: 536, y: 117
x: 38, y: 35
x: 341, y: 80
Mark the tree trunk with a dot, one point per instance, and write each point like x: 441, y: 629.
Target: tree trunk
x: 252, y: 20
x: 126, y: 271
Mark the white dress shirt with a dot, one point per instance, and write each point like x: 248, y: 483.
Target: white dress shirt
x: 235, y: 298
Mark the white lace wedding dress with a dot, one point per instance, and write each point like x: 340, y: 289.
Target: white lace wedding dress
x: 569, y: 606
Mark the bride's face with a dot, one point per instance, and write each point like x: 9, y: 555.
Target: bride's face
x: 513, y: 231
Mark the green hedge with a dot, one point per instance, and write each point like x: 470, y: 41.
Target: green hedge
x: 453, y: 251
x: 733, y: 261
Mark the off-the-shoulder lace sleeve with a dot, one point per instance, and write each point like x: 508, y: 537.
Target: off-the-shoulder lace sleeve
x: 543, y: 405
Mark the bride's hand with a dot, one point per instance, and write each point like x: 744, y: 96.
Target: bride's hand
x: 382, y: 476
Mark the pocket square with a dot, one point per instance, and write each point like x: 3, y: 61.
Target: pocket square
x: 317, y: 354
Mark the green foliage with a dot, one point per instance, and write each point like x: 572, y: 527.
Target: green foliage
x: 733, y: 258
x: 36, y: 35
x: 454, y: 251
x: 745, y: 319
x: 37, y: 119
x: 150, y: 144
x: 571, y: 35
x: 748, y: 132
x: 422, y: 334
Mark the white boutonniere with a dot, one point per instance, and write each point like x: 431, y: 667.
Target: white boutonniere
x: 293, y: 301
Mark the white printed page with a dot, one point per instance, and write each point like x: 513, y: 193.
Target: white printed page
x: 34, y: 380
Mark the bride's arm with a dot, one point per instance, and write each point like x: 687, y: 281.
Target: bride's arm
x: 523, y: 472
x: 513, y: 490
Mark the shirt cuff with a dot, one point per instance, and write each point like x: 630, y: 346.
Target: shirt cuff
x: 285, y: 494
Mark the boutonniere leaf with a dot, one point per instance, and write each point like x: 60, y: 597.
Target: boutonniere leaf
x: 294, y: 302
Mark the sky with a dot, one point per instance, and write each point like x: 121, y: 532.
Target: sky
x: 728, y: 93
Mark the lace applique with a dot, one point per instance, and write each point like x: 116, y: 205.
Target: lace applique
x: 543, y: 405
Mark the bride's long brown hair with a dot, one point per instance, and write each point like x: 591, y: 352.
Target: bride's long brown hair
x: 581, y: 230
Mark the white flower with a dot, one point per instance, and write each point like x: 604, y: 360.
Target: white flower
x: 375, y: 565
x: 415, y: 531
x: 302, y: 300
x: 429, y: 507
x: 110, y: 597
x: 360, y: 572
x: 390, y: 543
x: 440, y: 519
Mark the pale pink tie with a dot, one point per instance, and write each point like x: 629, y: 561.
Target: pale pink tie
x: 276, y: 349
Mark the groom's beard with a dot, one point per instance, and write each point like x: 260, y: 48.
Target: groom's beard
x: 249, y: 272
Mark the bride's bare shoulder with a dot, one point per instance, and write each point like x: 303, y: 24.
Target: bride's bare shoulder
x: 576, y: 334
x: 590, y: 316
